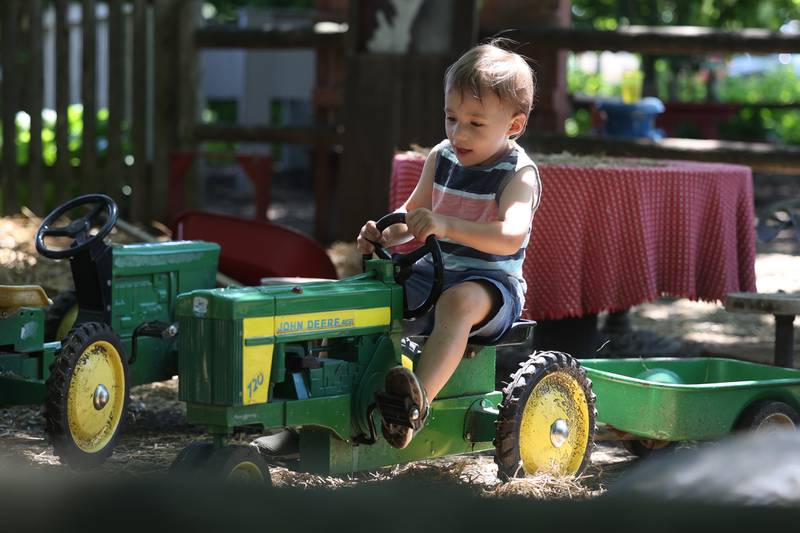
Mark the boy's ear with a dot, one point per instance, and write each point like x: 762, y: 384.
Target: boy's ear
x: 517, y: 124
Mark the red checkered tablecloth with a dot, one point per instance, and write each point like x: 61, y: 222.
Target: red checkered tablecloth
x: 609, y: 238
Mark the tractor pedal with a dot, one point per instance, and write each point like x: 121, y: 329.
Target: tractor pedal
x: 410, y: 347
x: 284, y: 445
x: 397, y: 410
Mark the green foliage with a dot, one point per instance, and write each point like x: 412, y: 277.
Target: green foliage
x: 728, y: 14
x: 225, y: 10
x: 593, y: 84
x: 763, y: 124
x: 750, y: 123
x: 776, y: 86
x: 74, y: 136
x: 578, y: 124
x: 685, y: 78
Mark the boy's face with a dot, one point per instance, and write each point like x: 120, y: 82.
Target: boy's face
x: 479, y: 129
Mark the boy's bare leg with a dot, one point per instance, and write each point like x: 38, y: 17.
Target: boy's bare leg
x: 457, y: 311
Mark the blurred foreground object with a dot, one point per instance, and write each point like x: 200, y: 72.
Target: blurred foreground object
x: 756, y: 469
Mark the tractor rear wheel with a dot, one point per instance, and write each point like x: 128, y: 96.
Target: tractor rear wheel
x: 547, y: 418
x: 60, y: 317
x: 86, y: 395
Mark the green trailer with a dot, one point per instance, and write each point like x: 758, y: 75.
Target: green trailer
x: 654, y: 403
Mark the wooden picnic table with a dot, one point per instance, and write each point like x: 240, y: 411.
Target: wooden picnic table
x: 784, y: 307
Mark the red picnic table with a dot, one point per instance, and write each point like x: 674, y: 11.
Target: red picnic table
x: 607, y: 238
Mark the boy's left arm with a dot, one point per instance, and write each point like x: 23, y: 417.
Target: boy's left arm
x: 502, y: 237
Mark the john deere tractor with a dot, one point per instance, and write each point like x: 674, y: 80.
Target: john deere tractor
x: 123, y: 332
x: 305, y: 363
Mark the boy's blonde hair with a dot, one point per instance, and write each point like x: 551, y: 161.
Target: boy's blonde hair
x: 490, y: 67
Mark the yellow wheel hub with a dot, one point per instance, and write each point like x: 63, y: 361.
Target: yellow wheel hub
x: 554, y: 431
x: 246, y: 472
x: 96, y: 396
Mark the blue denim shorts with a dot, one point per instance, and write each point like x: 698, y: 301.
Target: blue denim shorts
x: 418, y: 287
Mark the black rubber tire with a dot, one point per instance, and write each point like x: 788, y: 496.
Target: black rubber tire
x: 649, y: 448
x: 515, y: 396
x: 237, y: 464
x: 760, y: 412
x: 54, y: 316
x: 57, y: 386
x: 191, y: 459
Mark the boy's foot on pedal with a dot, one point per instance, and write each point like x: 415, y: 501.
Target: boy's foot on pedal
x: 403, y: 384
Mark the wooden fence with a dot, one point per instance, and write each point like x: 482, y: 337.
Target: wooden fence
x: 149, y: 89
x: 153, y: 44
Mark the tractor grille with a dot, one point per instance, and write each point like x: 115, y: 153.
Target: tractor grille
x: 210, y: 361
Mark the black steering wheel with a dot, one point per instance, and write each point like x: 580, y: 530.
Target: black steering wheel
x: 404, y: 262
x: 79, y: 228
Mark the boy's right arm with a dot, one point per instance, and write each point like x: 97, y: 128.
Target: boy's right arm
x: 398, y: 233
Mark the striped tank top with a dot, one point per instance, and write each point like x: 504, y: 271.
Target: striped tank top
x: 473, y: 193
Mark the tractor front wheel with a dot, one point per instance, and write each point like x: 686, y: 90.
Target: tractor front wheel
x: 86, y: 395
x: 191, y: 459
x: 237, y: 464
x: 547, y: 418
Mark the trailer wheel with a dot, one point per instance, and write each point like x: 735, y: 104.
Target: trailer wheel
x: 238, y: 464
x: 60, y: 317
x: 86, y: 395
x: 766, y: 415
x: 547, y: 418
x: 649, y: 447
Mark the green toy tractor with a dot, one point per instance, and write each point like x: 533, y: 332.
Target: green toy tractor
x: 306, y: 361
x: 122, y: 334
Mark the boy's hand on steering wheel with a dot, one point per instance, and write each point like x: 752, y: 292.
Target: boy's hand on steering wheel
x: 424, y: 222
x: 369, y: 232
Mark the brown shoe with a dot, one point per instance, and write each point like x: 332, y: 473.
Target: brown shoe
x: 402, y: 383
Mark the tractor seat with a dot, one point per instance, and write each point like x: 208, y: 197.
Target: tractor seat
x: 12, y: 297
x: 519, y: 334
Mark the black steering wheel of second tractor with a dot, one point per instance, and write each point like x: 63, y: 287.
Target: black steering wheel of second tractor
x: 79, y: 229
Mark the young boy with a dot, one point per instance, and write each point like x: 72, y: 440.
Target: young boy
x: 477, y: 194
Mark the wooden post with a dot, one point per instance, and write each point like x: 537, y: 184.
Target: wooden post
x: 89, y: 183
x: 10, y: 11
x: 139, y: 195
x: 35, y: 97
x: 63, y: 176
x: 187, y: 103
x: 116, y: 99
x: 394, y: 97
x: 174, y: 76
x: 164, y: 118
x: 327, y: 102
